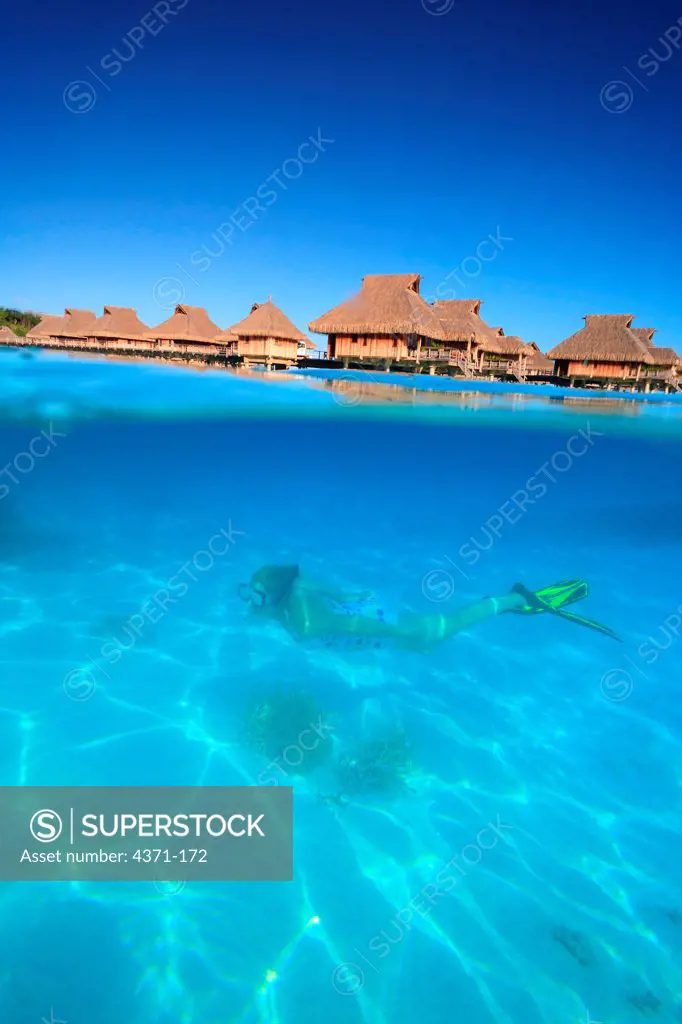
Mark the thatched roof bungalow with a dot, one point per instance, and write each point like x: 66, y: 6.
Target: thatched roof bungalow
x: 72, y: 328
x: 461, y: 319
x: 536, y: 362
x: 519, y: 355
x: 7, y: 336
x: 266, y: 335
x: 604, y: 347
x: 467, y: 334
x: 189, y: 329
x: 44, y: 328
x: 386, y: 319
x: 119, y: 327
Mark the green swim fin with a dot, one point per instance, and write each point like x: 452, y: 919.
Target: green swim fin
x: 555, y: 598
x: 551, y: 598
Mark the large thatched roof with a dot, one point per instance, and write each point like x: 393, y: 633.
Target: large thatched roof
x: 119, y: 322
x: 44, y: 329
x: 75, y: 323
x: 266, y: 320
x: 461, y: 321
x: 188, y: 323
x: 605, y: 338
x: 386, y: 304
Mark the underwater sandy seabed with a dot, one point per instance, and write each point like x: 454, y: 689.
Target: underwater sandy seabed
x: 533, y: 777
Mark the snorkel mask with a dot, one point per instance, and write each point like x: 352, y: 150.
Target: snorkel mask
x: 268, y: 586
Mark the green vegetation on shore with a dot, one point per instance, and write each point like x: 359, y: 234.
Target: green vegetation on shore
x: 20, y: 323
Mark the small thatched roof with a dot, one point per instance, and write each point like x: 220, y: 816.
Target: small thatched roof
x: 512, y: 345
x: 461, y: 321
x: 386, y: 304
x: 48, y: 324
x: 644, y: 334
x: 119, y: 322
x: 188, y: 323
x: 664, y: 357
x: 605, y: 338
x: 266, y: 320
x: 226, y: 336
x: 536, y: 360
x: 7, y: 334
x: 75, y: 323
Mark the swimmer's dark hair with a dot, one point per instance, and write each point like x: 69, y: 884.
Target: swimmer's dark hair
x: 276, y: 581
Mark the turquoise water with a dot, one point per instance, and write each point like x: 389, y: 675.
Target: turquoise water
x: 528, y: 870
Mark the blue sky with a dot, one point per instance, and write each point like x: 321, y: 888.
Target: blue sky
x: 132, y: 135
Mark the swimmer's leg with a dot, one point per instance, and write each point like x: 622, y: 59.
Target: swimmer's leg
x: 411, y: 630
x: 422, y: 632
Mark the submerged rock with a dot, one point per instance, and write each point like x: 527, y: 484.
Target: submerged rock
x: 646, y: 1002
x: 574, y: 943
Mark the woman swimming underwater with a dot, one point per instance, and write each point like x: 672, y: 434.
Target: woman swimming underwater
x: 310, y: 611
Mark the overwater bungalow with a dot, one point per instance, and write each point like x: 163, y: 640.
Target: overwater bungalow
x: 386, y: 320
x: 71, y: 331
x: 536, y: 363
x: 266, y: 337
x: 516, y: 357
x: 189, y: 331
x: 488, y: 349
x: 119, y: 328
x: 605, y: 347
x: 41, y: 333
x: 467, y: 336
x: 505, y: 354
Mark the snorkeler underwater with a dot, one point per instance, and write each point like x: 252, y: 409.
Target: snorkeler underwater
x: 311, y: 611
